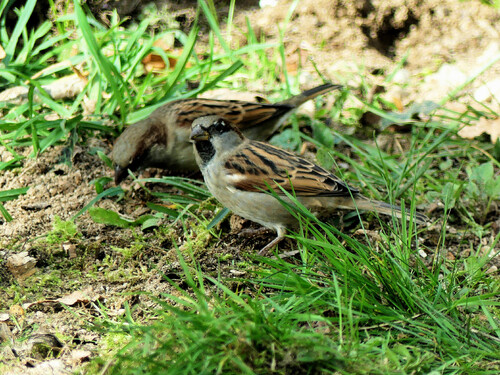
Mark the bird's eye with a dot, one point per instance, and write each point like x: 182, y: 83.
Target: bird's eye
x: 220, y: 127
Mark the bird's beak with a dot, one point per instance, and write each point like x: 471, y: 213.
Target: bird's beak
x: 120, y: 174
x: 198, y: 133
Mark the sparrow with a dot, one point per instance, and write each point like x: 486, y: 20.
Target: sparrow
x: 239, y: 173
x: 162, y: 139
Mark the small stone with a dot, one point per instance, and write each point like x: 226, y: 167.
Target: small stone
x: 465, y: 253
x: 449, y: 76
x: 5, y: 333
x: 21, y: 265
x: 492, y: 270
x: 237, y: 272
x: 486, y: 251
x: 402, y: 76
x: 268, y: 3
x: 78, y: 356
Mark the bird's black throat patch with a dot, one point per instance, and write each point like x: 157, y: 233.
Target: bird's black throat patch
x: 206, y: 151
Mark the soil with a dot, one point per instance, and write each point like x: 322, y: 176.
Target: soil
x: 338, y: 38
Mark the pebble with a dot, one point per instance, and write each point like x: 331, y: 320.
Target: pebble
x: 490, y: 90
x: 491, y: 270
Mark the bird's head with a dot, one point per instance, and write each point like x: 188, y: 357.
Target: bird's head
x: 212, y: 134
x: 134, y: 148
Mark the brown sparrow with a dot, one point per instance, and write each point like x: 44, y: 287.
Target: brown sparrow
x: 162, y: 140
x: 238, y: 172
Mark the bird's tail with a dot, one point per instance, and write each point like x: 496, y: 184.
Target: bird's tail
x: 363, y: 203
x: 310, y: 94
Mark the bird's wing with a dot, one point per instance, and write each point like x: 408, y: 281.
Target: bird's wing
x: 258, y: 165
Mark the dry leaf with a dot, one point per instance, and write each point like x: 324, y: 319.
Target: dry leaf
x: 75, y: 297
x: 398, y: 103
x: 155, y: 63
x: 53, y: 67
x: 484, y: 125
x: 2, y: 53
x: 84, y: 296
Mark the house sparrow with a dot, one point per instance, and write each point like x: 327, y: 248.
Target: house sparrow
x: 238, y: 171
x: 162, y: 140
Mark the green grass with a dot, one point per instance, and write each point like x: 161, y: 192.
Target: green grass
x: 345, y: 307
x: 346, y: 304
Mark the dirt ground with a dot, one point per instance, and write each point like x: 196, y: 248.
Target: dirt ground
x: 441, y: 41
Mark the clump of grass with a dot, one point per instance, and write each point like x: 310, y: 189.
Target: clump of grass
x: 346, y: 307
x: 222, y: 331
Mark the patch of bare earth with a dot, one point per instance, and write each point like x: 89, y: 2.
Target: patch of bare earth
x: 341, y: 37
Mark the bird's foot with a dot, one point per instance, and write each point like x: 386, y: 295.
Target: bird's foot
x: 270, y: 245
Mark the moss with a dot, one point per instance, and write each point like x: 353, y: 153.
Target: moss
x: 62, y: 231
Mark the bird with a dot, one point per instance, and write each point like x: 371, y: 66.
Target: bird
x: 239, y: 172
x: 162, y: 139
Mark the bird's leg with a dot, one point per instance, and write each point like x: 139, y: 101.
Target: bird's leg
x: 270, y: 245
